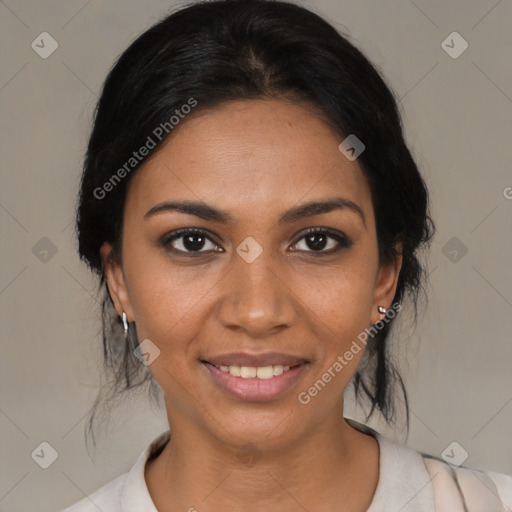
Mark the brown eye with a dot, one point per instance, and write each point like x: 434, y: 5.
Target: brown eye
x: 323, y: 241
x: 189, y: 241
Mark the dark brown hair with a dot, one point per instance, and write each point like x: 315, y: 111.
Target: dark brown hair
x: 220, y: 51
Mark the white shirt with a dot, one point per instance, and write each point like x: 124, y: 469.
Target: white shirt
x: 409, y: 481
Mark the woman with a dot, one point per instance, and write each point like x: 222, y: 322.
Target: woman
x: 250, y: 205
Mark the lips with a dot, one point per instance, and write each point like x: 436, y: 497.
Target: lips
x: 255, y: 360
x: 253, y: 388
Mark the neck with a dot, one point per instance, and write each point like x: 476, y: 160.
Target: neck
x: 335, y: 465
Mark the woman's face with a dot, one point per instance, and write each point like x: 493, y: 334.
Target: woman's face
x: 251, y: 284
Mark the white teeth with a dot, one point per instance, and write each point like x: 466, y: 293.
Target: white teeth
x: 265, y: 372
x: 248, y: 372
x: 234, y: 370
x: 278, y: 369
x: 251, y: 372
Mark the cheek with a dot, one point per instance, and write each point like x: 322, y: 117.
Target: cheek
x: 169, y: 309
x: 340, y: 296
x: 169, y: 301
x: 339, y: 309
x: 339, y: 303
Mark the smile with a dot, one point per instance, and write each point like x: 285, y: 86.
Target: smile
x: 254, y: 372
x: 255, y: 383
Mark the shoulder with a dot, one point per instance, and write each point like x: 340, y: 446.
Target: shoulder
x: 106, y: 499
x: 414, y: 481
x: 466, y: 488
x: 435, y: 484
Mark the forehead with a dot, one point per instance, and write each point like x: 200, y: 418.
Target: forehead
x: 256, y: 155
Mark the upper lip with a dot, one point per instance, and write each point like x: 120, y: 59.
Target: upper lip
x: 263, y: 359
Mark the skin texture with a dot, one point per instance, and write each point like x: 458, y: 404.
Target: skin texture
x: 255, y: 159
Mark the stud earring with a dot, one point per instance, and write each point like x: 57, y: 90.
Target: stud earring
x: 125, y: 325
x: 382, y: 310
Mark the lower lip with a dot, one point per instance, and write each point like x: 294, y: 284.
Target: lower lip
x: 256, y: 390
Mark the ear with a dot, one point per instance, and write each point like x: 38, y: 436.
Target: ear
x: 116, y: 282
x: 386, y: 283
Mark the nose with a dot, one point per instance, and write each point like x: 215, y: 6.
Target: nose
x: 256, y: 298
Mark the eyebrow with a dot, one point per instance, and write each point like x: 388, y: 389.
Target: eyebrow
x: 207, y: 212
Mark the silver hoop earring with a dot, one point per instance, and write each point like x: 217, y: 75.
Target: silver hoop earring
x: 125, y: 325
x: 382, y: 310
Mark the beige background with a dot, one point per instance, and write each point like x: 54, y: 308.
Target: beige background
x: 457, y: 114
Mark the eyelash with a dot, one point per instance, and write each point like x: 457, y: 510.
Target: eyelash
x: 343, y: 241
